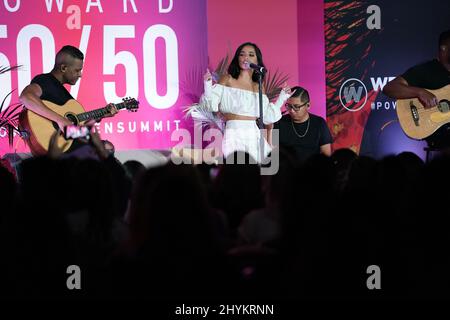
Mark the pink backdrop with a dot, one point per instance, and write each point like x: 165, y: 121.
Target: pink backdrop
x: 273, y: 27
x: 311, y: 53
x: 290, y: 35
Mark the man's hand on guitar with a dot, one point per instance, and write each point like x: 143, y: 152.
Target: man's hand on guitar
x: 112, y: 110
x: 427, y: 99
x: 62, y: 123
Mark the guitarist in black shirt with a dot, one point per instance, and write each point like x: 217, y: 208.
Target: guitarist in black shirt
x: 50, y: 87
x: 431, y: 75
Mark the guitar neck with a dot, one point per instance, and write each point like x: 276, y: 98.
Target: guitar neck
x: 98, y: 113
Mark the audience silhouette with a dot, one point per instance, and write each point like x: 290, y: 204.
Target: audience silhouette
x: 213, y: 232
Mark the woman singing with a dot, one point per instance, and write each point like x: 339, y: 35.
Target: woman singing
x: 235, y: 96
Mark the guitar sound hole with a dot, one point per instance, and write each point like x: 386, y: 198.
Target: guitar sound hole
x: 444, y: 105
x: 72, y: 118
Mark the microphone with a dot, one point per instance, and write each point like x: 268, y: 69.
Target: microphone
x: 249, y: 65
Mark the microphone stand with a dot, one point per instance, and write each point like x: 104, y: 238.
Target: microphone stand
x: 260, y: 121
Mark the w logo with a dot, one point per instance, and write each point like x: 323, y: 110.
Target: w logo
x: 353, y: 94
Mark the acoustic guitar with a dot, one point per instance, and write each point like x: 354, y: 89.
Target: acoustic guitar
x: 418, y: 122
x: 39, y: 129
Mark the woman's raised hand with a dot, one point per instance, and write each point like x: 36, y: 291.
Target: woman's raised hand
x: 207, y: 76
x: 285, y: 93
x: 207, y: 82
x: 287, y: 90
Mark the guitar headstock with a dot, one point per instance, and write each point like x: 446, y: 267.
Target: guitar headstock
x: 131, y: 104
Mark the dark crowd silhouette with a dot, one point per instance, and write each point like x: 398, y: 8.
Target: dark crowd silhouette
x: 225, y: 231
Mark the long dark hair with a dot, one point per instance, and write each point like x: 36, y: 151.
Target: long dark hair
x: 234, y: 70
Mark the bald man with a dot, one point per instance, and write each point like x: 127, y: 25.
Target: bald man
x: 50, y: 86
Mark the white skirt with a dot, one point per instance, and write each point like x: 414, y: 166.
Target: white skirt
x: 243, y: 135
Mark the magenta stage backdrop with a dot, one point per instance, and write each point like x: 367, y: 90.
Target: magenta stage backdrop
x: 290, y: 34
x: 149, y: 50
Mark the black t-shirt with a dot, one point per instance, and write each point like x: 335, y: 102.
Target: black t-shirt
x: 431, y: 75
x: 304, y: 145
x: 52, y: 89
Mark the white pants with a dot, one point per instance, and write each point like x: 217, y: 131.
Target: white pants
x: 243, y: 135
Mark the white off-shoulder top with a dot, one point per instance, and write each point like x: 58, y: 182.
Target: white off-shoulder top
x: 224, y: 99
